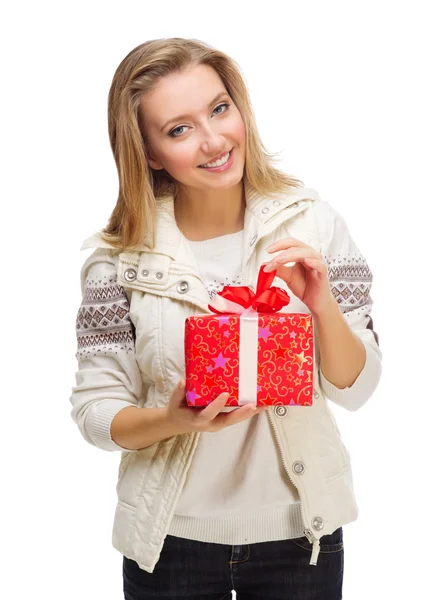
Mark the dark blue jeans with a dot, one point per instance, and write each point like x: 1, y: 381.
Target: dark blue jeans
x: 278, y: 570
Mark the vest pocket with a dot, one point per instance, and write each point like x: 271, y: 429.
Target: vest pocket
x: 328, y: 450
x: 123, y: 466
x: 345, y: 452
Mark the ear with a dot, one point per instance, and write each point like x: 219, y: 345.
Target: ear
x: 152, y: 162
x: 155, y: 165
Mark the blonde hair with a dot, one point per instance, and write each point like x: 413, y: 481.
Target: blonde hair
x: 133, y: 220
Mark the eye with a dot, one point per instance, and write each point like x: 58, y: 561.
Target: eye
x: 223, y: 104
x: 171, y: 133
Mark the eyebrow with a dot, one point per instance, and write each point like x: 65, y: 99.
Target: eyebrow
x: 181, y: 117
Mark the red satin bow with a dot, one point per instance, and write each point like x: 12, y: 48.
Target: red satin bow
x: 266, y: 299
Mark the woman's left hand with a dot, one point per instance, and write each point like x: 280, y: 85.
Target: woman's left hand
x: 307, y: 278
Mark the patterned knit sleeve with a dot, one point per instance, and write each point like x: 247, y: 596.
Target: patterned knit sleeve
x: 350, y: 282
x: 108, y: 378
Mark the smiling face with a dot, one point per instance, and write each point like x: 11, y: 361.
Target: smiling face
x: 188, y: 119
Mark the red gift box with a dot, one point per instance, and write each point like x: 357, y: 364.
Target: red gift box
x: 250, y: 349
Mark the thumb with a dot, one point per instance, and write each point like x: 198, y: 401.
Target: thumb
x: 178, y: 393
x: 284, y: 273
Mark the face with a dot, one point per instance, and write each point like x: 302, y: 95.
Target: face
x: 188, y: 120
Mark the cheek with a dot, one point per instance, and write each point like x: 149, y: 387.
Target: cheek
x: 239, y: 131
x: 180, y: 158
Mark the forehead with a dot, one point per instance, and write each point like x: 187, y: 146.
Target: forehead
x: 178, y: 93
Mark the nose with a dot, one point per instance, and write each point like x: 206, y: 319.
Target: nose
x: 213, y: 143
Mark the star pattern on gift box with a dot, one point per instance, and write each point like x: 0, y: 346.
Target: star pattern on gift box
x: 269, y: 399
x: 223, y: 321
x: 233, y: 391
x: 220, y: 361
x: 285, y: 358
x: 192, y: 396
x: 196, y: 352
x: 305, y: 322
x: 210, y: 381
x: 264, y: 333
x: 261, y: 370
x: 299, y: 359
x: 280, y: 352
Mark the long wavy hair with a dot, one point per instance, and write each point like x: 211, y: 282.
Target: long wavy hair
x: 133, y: 220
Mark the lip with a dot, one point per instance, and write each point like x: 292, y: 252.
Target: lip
x: 218, y: 158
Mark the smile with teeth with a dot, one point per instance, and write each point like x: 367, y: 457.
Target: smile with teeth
x: 218, y: 163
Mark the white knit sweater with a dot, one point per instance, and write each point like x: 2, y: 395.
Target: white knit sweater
x: 237, y: 482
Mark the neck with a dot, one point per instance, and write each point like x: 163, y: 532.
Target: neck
x: 205, y: 214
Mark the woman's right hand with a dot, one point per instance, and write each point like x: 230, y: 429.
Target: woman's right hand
x: 208, y: 418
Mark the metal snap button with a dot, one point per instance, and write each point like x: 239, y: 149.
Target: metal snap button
x: 183, y: 287
x: 298, y: 467
x: 145, y: 273
x: 159, y: 275
x: 276, y: 203
x: 130, y: 274
x: 318, y: 523
x: 254, y: 239
x: 280, y: 411
x: 265, y: 210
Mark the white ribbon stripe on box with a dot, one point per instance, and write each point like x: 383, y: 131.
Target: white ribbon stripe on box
x: 248, y: 350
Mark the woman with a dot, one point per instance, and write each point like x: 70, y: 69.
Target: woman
x: 215, y: 499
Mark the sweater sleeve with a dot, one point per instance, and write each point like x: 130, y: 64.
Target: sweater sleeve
x: 108, y: 378
x: 350, y: 282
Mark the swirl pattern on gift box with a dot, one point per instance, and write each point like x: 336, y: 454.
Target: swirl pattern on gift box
x: 284, y: 350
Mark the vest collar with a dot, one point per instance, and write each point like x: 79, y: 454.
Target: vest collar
x: 259, y: 213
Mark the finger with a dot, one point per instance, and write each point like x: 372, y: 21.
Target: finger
x: 286, y: 243
x: 315, y: 263
x: 295, y: 254
x: 248, y: 411
x: 291, y: 255
x: 178, y: 394
x: 317, y: 267
x: 285, y: 273
x: 236, y: 415
x: 213, y: 408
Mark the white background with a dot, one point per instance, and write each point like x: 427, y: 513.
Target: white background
x: 351, y: 94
